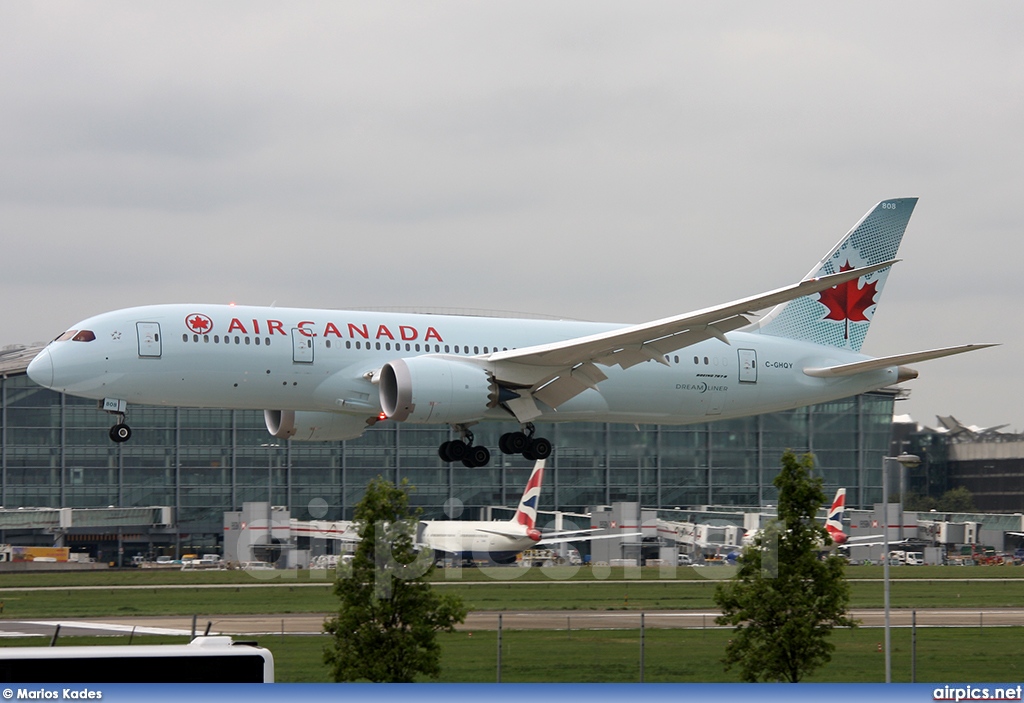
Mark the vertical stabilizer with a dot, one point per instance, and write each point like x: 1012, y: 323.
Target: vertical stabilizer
x: 834, y: 520
x: 526, y: 513
x: 840, y: 316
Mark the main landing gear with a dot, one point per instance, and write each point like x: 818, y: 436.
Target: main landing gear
x: 464, y: 451
x: 532, y: 448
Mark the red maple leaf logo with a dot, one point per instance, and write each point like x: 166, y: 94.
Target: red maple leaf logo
x: 199, y: 323
x: 848, y: 302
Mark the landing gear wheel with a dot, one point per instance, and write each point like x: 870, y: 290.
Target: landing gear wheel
x: 540, y: 448
x: 476, y: 457
x: 517, y: 442
x: 453, y: 450
x: 120, y: 433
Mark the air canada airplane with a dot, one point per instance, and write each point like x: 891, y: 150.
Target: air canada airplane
x: 329, y: 374
x: 501, y: 541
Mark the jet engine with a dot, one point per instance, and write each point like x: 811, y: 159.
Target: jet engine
x: 427, y: 389
x: 310, y: 426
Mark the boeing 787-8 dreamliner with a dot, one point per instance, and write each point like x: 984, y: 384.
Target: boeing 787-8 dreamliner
x: 330, y: 374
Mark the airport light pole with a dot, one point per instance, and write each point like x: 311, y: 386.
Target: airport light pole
x: 903, y: 461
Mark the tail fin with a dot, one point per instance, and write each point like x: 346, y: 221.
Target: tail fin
x: 834, y: 520
x: 526, y: 513
x: 840, y: 316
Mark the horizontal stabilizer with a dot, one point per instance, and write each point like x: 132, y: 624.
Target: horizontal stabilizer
x: 888, y: 361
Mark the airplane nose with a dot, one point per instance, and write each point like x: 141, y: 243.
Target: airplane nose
x: 40, y: 369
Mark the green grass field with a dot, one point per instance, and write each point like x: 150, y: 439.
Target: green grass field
x: 233, y: 592
x: 950, y: 655
x: 946, y: 655
x: 145, y: 577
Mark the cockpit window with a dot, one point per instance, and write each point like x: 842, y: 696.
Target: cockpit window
x: 76, y: 336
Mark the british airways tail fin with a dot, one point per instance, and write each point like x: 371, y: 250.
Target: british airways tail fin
x: 840, y: 316
x: 526, y: 513
x: 834, y: 520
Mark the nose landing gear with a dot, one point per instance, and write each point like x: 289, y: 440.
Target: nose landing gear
x: 120, y: 432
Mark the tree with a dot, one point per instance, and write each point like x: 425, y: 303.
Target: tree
x: 386, y: 626
x: 916, y: 501
x: 957, y: 500
x: 784, y: 600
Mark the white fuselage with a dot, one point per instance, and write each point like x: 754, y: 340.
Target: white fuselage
x: 474, y: 538
x: 324, y: 360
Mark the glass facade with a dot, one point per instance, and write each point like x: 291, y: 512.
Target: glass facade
x: 55, y: 452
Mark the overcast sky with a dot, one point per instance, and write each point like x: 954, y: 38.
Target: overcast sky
x: 595, y: 160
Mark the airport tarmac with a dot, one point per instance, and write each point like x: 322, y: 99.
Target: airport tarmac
x: 310, y: 624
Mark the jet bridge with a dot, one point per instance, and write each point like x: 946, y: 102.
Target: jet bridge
x: 58, y: 522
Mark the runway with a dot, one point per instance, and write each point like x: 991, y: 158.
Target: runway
x: 312, y: 624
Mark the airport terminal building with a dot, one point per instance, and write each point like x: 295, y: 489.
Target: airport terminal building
x: 55, y: 452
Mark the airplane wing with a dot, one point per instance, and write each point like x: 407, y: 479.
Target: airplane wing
x: 582, y: 534
x: 556, y: 372
x: 892, y: 543
x: 569, y: 536
x: 584, y: 538
x: 503, y: 533
x: 887, y: 361
x: 563, y: 533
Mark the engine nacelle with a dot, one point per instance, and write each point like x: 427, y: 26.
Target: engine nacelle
x: 309, y: 426
x: 425, y: 389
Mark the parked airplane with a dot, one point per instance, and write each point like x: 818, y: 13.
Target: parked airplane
x: 329, y: 374
x: 834, y: 525
x: 501, y: 541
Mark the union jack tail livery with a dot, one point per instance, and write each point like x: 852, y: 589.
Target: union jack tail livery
x: 834, y: 521
x: 526, y: 513
x: 840, y: 316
